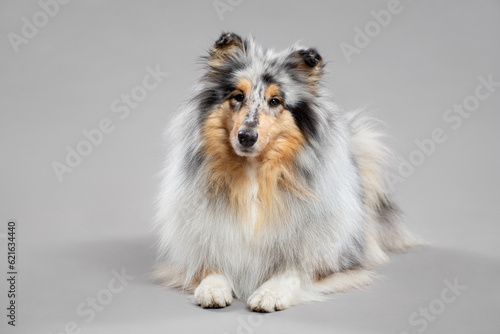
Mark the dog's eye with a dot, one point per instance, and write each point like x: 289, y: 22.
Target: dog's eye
x: 239, y: 97
x: 274, y: 102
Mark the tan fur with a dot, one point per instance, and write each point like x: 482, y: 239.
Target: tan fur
x: 276, y: 167
x: 170, y: 276
x: 374, y: 255
x: 173, y: 277
x: 314, y: 74
x: 346, y: 280
x: 225, y: 166
x: 218, y: 55
x: 272, y: 90
x: 279, y: 141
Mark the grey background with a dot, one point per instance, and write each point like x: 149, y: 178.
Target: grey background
x: 73, y: 234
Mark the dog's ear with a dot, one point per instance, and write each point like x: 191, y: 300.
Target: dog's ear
x: 227, y: 45
x: 310, y: 63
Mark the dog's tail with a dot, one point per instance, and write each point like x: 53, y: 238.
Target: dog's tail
x: 373, y: 159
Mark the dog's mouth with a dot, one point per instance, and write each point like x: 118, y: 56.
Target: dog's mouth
x: 245, y: 151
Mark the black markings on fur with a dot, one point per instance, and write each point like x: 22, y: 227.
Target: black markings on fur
x: 305, y: 117
x: 219, y: 80
x: 208, y: 99
x: 229, y: 38
x: 283, y: 95
x: 310, y: 56
x: 390, y: 225
x: 307, y: 175
x: 360, y: 194
x: 268, y: 79
x: 322, y: 273
x: 251, y: 119
x: 194, y: 159
x: 386, y: 212
x: 352, y: 257
x: 219, y: 84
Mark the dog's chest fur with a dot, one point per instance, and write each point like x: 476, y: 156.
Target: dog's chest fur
x: 252, y: 199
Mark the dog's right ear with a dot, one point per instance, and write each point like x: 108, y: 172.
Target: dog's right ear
x: 227, y: 45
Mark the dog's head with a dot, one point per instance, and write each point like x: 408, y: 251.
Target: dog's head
x: 256, y: 101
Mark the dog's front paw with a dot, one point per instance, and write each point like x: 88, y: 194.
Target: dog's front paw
x: 267, y: 301
x: 274, y: 295
x: 214, y: 291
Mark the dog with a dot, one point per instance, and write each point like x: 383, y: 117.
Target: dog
x: 271, y: 193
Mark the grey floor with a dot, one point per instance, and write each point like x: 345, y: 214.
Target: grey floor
x: 75, y: 235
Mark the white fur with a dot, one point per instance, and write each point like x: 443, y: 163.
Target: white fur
x: 253, y: 190
x: 214, y: 291
x: 278, y: 293
x: 346, y: 280
x: 339, y: 230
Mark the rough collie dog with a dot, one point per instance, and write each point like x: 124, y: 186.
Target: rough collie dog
x: 271, y: 192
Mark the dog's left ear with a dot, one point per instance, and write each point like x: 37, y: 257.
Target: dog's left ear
x: 310, y: 63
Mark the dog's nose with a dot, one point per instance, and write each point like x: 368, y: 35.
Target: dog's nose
x: 247, y: 137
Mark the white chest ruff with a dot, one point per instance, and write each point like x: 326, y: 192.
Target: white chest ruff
x: 252, y: 195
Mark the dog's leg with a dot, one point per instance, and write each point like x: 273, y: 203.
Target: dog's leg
x: 346, y: 280
x: 278, y: 293
x: 214, y: 291
x: 374, y: 159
